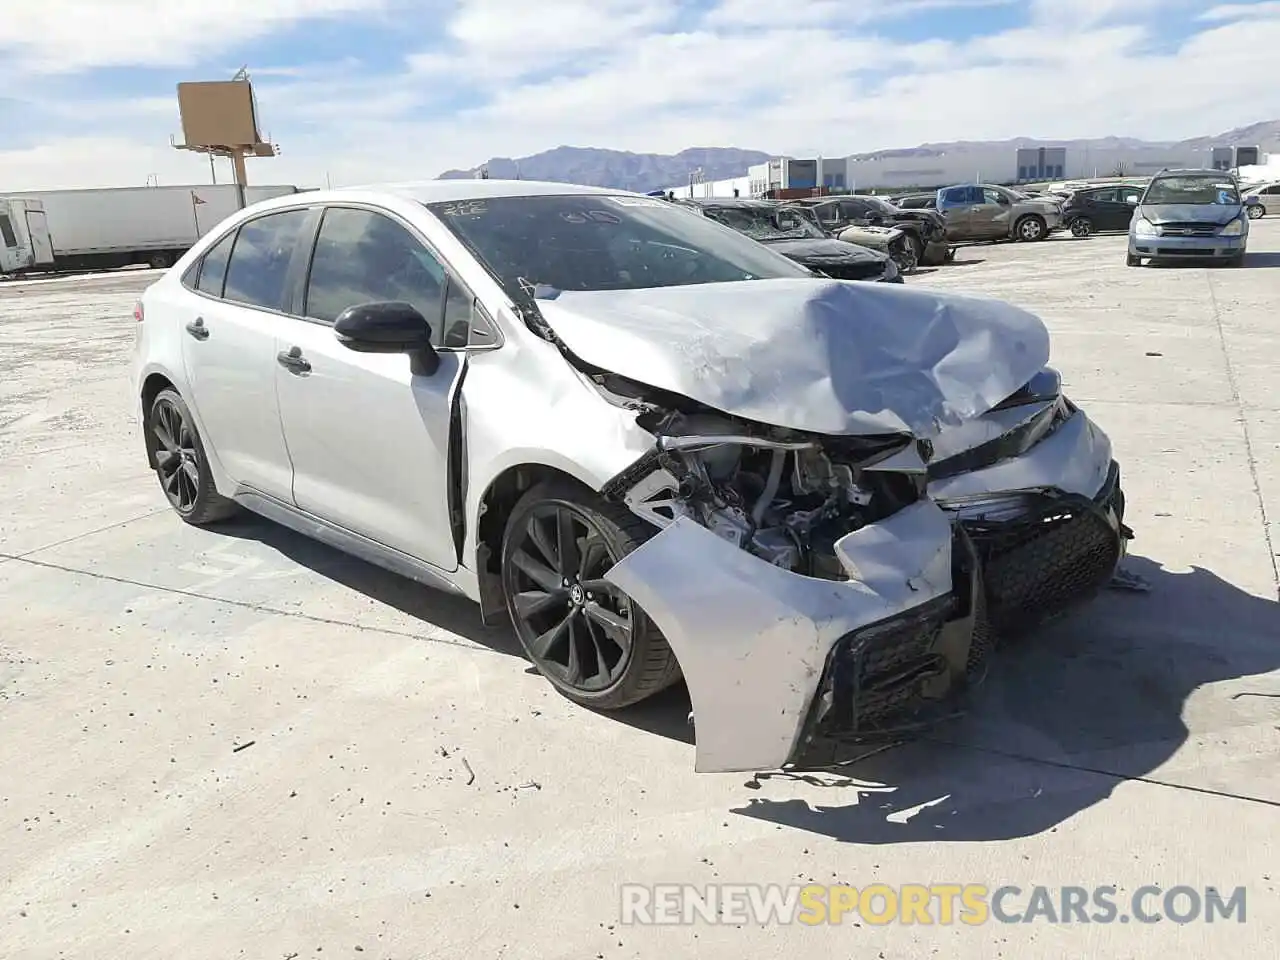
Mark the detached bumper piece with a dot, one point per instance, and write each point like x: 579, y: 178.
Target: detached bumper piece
x: 901, y: 676
x: 1056, y: 552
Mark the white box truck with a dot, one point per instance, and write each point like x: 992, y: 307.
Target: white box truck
x: 26, y: 245
x: 121, y: 226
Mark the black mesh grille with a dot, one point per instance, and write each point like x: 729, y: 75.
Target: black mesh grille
x: 1059, y: 552
x: 852, y: 271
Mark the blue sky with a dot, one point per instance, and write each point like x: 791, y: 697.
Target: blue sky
x: 370, y: 89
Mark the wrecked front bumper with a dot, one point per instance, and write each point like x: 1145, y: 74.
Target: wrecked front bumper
x: 776, y: 661
x: 1048, y: 525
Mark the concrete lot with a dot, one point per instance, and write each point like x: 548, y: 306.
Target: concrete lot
x: 240, y: 743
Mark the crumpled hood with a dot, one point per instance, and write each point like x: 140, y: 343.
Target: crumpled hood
x: 826, y: 251
x: 830, y: 357
x: 1190, y: 212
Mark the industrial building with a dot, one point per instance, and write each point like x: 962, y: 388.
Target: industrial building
x: 924, y: 169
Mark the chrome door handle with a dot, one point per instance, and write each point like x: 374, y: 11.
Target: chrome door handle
x: 197, y: 329
x: 293, y: 360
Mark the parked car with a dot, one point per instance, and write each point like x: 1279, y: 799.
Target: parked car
x: 1260, y: 197
x: 978, y: 211
x: 657, y: 447
x: 926, y: 230
x: 890, y: 241
x: 799, y: 239
x: 1189, y: 214
x: 1100, y: 209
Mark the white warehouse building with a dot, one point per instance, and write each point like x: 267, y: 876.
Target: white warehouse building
x: 928, y: 169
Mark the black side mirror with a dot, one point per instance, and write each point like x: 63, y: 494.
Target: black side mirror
x: 391, y: 327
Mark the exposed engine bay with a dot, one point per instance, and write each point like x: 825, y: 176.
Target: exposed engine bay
x: 782, y: 496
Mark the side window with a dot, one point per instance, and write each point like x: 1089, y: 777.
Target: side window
x: 991, y: 196
x: 259, y: 265
x: 827, y: 212
x: 213, y: 267
x: 456, y: 327
x: 6, y: 231
x: 365, y: 257
x: 855, y: 209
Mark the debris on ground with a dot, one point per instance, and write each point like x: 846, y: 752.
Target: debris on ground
x: 471, y: 774
x: 243, y: 746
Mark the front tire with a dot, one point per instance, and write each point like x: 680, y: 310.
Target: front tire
x: 588, y: 638
x: 1132, y: 261
x: 1081, y: 227
x: 1030, y: 229
x: 181, y: 464
x: 1257, y: 211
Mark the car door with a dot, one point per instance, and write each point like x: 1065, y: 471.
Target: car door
x: 992, y: 214
x: 369, y: 433
x: 1107, y: 210
x: 228, y: 349
x: 956, y: 204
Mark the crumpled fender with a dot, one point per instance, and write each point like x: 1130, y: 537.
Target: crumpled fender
x: 752, y: 639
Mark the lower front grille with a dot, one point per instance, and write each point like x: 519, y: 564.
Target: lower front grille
x: 1060, y: 551
x: 854, y: 271
x: 899, y: 675
x: 1185, y: 251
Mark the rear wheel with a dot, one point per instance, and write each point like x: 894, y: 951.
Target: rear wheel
x: 181, y: 464
x: 583, y: 634
x: 1081, y: 227
x: 159, y: 261
x: 1257, y: 211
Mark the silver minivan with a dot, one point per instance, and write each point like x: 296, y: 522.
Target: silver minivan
x: 1189, y: 214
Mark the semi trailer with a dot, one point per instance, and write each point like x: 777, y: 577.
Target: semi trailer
x: 77, y: 230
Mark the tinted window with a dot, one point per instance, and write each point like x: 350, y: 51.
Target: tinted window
x: 213, y: 268
x: 456, y: 328
x: 260, y: 258
x: 993, y: 196
x: 604, y: 242
x: 957, y: 195
x: 365, y: 257
x: 6, y: 231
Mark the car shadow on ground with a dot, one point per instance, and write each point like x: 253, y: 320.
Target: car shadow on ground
x: 451, y: 612
x: 964, y: 263
x: 1063, y: 717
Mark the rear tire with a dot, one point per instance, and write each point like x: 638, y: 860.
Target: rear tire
x: 159, y: 261
x: 1081, y: 227
x: 181, y: 464
x: 1257, y: 212
x: 566, y: 617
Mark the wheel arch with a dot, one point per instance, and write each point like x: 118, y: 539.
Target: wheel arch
x: 152, y: 385
x: 495, y: 504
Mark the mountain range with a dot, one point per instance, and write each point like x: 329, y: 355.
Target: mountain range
x: 643, y: 172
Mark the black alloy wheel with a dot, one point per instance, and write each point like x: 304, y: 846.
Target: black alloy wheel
x: 1081, y: 227
x: 180, y: 462
x: 582, y: 633
x: 176, y: 462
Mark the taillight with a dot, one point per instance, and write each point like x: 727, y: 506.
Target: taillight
x: 137, y: 311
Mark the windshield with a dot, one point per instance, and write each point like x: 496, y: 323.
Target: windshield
x: 1192, y: 189
x: 767, y: 223
x: 604, y: 242
x: 881, y: 207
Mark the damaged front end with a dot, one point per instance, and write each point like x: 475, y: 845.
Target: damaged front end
x: 811, y: 592
x: 1035, y: 487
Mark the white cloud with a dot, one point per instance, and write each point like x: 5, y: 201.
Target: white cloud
x: 656, y: 75
x: 55, y: 36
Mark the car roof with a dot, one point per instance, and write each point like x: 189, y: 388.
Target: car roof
x: 1197, y: 171
x: 445, y: 191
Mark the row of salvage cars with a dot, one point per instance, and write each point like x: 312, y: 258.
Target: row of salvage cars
x: 843, y: 237
x: 658, y: 448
